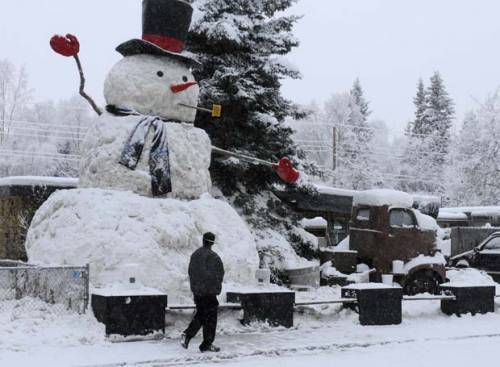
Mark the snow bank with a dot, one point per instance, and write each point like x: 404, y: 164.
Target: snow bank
x: 280, y: 253
x: 118, y: 231
x: 30, y: 322
x: 381, y: 197
x: 190, y: 155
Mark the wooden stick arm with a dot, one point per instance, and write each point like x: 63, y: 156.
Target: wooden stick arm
x: 243, y: 157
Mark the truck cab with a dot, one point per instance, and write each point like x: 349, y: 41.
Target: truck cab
x: 382, y: 232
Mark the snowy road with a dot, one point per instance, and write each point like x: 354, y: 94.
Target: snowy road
x: 424, y: 336
x: 460, y: 352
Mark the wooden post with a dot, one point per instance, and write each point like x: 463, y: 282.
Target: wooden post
x: 334, y: 151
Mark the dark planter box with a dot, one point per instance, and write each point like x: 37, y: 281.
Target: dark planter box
x: 343, y: 261
x: 377, y: 306
x: 469, y: 299
x: 332, y: 281
x: 128, y: 315
x: 276, y: 308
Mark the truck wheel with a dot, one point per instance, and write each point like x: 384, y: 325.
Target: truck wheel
x: 425, y: 281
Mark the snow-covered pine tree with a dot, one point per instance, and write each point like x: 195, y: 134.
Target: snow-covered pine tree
x: 465, y: 174
x: 419, y: 101
x: 348, y: 113
x: 428, y: 139
x: 477, y: 157
x: 241, y: 44
x: 359, y: 100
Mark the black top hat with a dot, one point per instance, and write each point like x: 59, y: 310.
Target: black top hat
x: 165, y: 26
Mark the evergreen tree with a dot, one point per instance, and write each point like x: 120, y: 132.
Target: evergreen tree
x: 420, y: 106
x: 359, y: 100
x: 477, y: 157
x: 438, y: 117
x: 241, y: 44
x: 428, y: 139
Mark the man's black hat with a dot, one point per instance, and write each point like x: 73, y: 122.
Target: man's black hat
x: 165, y: 26
x: 208, y: 239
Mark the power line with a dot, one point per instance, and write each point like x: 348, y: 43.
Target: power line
x: 366, y: 128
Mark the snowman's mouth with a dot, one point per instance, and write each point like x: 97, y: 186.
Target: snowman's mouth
x: 177, y: 88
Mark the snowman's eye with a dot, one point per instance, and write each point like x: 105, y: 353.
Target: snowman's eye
x: 185, y: 79
x: 160, y: 74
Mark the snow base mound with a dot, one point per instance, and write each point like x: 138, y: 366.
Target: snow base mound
x: 190, y: 154
x: 123, y: 235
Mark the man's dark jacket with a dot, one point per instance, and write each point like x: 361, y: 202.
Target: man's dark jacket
x: 206, y: 272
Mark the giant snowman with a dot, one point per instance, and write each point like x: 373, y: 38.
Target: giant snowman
x: 143, y: 201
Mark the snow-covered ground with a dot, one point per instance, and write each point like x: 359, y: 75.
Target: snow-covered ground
x: 322, y: 334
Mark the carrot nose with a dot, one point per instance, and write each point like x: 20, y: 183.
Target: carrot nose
x: 177, y: 88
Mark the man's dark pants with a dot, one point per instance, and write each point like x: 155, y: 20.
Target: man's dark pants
x: 206, y: 317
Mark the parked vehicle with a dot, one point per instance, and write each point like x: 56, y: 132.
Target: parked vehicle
x: 485, y: 256
x: 382, y: 234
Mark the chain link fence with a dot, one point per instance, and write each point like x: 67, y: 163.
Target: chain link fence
x: 66, y: 285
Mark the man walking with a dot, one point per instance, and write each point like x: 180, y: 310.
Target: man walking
x: 206, y: 273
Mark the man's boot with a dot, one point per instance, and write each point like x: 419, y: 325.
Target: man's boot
x: 185, y: 341
x: 210, y: 348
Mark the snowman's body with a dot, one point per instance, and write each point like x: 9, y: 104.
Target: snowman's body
x: 189, y: 148
x: 142, y: 84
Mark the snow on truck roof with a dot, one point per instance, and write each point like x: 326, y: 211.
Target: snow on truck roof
x: 39, y: 181
x: 382, y: 197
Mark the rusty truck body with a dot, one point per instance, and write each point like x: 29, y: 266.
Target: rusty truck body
x: 383, y: 234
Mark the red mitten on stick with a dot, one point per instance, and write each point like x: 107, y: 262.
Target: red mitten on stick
x: 67, y: 46
x: 286, y: 171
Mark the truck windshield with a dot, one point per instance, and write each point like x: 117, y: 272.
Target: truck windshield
x: 363, y: 214
x: 401, y: 218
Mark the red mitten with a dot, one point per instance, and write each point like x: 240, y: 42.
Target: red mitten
x: 67, y: 46
x: 286, y: 171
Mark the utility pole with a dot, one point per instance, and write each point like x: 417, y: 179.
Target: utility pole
x: 334, y: 147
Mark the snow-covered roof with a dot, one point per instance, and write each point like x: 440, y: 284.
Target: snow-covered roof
x: 381, y: 197
x: 451, y: 216
x: 334, y: 191
x: 317, y: 222
x: 475, y: 211
x: 39, y: 181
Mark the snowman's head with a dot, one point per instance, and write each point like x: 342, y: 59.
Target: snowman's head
x: 153, y: 85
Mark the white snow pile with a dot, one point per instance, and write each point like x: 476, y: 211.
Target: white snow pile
x: 283, y: 255
x: 437, y: 259
x: 30, y: 322
x: 115, y: 231
x: 469, y: 276
x: 190, y: 155
x: 382, y: 197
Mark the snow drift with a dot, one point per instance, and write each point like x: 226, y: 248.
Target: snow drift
x: 118, y: 231
x: 190, y: 153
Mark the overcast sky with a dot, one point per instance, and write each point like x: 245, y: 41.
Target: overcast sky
x: 388, y: 44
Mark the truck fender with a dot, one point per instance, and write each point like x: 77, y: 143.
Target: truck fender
x: 438, y: 269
